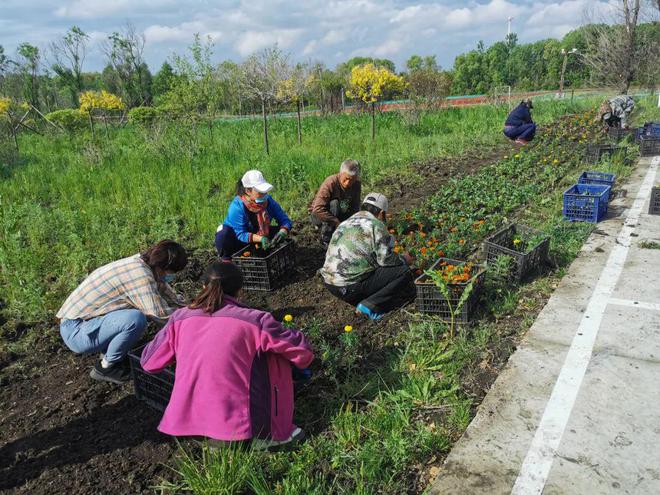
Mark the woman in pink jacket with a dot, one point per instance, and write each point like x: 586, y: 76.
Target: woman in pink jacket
x: 233, y: 366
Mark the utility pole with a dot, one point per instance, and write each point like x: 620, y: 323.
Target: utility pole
x: 563, y: 69
x: 508, y: 33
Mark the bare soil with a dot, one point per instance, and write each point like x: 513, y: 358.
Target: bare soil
x: 61, y: 432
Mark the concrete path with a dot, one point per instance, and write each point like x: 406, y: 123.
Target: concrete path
x: 577, y: 408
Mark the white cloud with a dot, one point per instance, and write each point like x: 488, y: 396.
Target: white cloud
x: 251, y: 41
x: 89, y: 9
x: 310, y: 47
x: 334, y: 36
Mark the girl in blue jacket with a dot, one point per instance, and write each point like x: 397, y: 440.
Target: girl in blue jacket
x: 249, y: 216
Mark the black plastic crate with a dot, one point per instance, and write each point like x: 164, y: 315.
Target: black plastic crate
x: 595, y: 152
x: 502, y: 243
x: 619, y: 133
x: 154, y: 389
x: 654, y: 204
x: 649, y: 145
x: 430, y: 300
x: 265, y: 270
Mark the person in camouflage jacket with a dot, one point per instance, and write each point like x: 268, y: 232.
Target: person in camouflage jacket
x: 615, y: 111
x: 361, y: 266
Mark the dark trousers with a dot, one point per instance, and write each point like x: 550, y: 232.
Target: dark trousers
x: 386, y: 288
x: 227, y: 243
x: 524, y: 131
x: 327, y: 229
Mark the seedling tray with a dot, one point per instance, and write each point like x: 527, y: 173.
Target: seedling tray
x: 586, y: 202
x: 430, y: 300
x: 154, y: 389
x: 649, y: 145
x: 265, y: 270
x: 601, y: 178
x: 595, y: 152
x: 501, y: 243
x: 654, y: 204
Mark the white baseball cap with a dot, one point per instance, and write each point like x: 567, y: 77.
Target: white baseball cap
x: 255, y: 179
x: 378, y: 200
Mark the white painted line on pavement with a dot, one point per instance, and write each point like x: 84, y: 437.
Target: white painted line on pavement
x: 635, y: 304
x: 538, y: 462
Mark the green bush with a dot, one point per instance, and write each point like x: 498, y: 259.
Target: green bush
x: 70, y: 119
x: 144, y: 116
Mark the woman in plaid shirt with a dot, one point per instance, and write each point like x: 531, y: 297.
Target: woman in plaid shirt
x: 109, y: 310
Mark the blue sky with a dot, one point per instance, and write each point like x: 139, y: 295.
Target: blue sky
x: 327, y: 30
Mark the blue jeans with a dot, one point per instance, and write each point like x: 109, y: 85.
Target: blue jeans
x: 114, y: 333
x: 524, y: 131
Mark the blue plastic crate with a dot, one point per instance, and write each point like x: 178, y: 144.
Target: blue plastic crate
x: 586, y: 202
x: 601, y: 178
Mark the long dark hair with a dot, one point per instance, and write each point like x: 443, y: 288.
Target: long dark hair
x: 240, y: 188
x: 166, y: 255
x: 219, y: 279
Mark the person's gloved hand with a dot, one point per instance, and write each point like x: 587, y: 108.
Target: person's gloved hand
x: 279, y: 237
x: 265, y: 243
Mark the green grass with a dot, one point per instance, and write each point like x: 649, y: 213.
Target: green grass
x: 70, y: 205
x: 387, y: 413
x: 388, y: 424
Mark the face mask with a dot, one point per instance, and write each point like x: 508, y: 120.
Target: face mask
x: 262, y: 199
x: 168, y: 278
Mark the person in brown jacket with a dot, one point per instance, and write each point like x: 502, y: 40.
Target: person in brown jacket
x: 337, y: 199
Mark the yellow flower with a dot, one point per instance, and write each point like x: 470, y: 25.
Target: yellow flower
x: 368, y: 82
x: 516, y: 242
x: 412, y: 367
x: 288, y: 318
x: 555, y: 161
x: 5, y: 103
x: 348, y: 329
x: 516, y: 156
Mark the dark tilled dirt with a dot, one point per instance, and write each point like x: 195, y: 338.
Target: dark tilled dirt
x: 61, y: 432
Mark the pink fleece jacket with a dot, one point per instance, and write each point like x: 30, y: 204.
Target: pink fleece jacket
x: 233, y: 372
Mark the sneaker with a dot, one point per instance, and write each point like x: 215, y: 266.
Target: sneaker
x: 521, y: 141
x: 117, y: 373
x: 371, y: 314
x: 296, y: 437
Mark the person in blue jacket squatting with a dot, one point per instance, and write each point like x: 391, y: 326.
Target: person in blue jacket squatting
x: 249, y: 216
x: 519, y: 125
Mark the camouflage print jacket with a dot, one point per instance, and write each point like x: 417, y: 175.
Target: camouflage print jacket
x: 359, y: 246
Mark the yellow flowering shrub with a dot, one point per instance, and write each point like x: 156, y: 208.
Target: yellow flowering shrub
x: 368, y: 83
x: 5, y: 103
x: 93, y: 100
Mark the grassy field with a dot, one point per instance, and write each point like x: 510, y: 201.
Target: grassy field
x: 390, y: 424
x: 391, y: 404
x: 70, y: 205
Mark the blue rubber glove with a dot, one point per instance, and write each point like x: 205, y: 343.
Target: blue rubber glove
x: 371, y: 314
x: 265, y: 243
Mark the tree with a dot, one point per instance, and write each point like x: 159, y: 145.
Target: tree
x: 416, y: 62
x: 29, y: 64
x: 615, y: 53
x: 124, y: 52
x: 5, y: 64
x: 428, y: 87
x: 370, y: 83
x: 295, y: 88
x: 260, y: 78
x: 163, y: 81
x: 196, y: 91
x: 69, y: 55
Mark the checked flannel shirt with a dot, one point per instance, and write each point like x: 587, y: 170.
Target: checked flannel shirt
x: 127, y: 283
